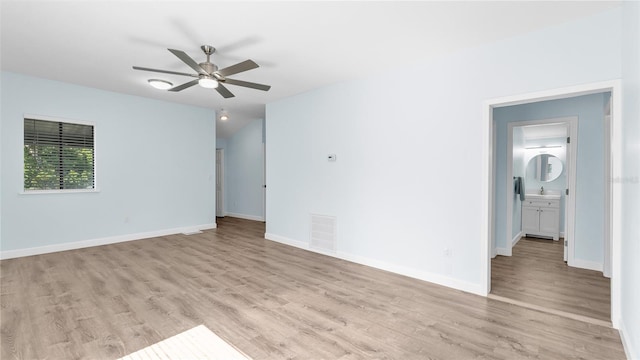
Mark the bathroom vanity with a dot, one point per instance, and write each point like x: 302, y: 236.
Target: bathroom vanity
x: 541, y: 216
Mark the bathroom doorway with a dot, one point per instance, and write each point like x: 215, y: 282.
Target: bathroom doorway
x: 606, y: 218
x: 541, y: 168
x: 536, y: 269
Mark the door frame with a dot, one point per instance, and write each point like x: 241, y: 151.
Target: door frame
x: 264, y: 181
x: 570, y: 163
x: 606, y: 264
x: 615, y: 170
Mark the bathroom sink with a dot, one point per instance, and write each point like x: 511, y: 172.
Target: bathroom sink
x: 543, y: 197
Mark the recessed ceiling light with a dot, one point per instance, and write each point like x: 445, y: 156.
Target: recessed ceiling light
x: 224, y: 116
x: 160, y: 84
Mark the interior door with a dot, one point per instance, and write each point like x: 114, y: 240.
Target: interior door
x: 219, y: 182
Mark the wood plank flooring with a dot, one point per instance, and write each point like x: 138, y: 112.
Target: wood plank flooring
x: 537, y: 274
x: 269, y: 300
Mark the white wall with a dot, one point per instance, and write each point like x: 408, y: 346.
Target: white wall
x: 630, y: 181
x: 221, y: 143
x: 244, y: 172
x: 400, y: 205
x: 154, y: 164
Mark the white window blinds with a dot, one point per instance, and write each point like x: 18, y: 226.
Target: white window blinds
x: 58, y: 155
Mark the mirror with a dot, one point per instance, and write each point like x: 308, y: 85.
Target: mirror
x: 544, y: 167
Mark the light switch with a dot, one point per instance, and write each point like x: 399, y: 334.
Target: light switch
x: 331, y: 157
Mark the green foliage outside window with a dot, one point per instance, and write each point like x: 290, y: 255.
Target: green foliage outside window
x: 58, y: 159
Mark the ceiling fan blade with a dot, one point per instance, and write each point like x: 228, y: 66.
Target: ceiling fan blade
x: 185, y: 85
x: 248, y: 84
x: 163, y: 71
x: 188, y: 60
x: 224, y: 91
x: 237, y: 68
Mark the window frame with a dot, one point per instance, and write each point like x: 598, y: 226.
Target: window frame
x: 95, y: 189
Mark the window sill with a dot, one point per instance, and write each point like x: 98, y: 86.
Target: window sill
x: 70, y: 191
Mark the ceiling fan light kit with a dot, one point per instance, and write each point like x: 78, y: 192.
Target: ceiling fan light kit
x: 160, y: 84
x: 208, y: 83
x: 207, y: 74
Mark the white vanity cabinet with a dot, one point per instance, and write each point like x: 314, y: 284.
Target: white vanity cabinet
x: 541, y: 217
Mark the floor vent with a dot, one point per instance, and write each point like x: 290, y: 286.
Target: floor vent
x: 323, y: 232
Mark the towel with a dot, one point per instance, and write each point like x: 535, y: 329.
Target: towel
x: 518, y: 186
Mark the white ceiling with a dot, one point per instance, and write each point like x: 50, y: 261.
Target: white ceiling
x: 299, y: 45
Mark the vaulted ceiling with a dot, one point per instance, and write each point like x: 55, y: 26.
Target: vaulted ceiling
x: 298, y: 45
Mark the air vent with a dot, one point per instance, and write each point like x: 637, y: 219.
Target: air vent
x: 323, y: 232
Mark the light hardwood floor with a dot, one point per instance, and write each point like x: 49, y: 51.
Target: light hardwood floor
x: 537, y: 274
x: 269, y: 300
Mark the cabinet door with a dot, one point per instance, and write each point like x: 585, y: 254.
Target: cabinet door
x: 549, y: 220
x: 530, y: 220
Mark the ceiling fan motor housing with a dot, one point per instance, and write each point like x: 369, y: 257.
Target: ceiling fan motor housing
x: 208, y: 67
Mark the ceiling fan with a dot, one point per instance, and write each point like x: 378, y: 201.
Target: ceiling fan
x: 208, y: 75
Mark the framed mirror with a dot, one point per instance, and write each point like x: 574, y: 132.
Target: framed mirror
x: 544, y: 167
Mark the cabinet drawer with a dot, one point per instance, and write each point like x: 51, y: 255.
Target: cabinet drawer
x: 542, y: 203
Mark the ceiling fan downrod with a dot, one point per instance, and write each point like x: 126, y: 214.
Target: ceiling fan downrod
x: 208, y: 66
x: 208, y: 50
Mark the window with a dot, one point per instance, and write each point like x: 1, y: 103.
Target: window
x: 58, y: 155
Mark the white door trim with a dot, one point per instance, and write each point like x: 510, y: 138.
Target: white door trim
x: 614, y: 86
x: 606, y: 263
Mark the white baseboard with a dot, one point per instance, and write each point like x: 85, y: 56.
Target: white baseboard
x: 10, y: 254
x: 246, y: 217
x: 516, y: 238
x: 585, y: 264
x: 382, y: 265
x: 286, y: 241
x: 503, y: 251
x: 494, y: 253
x: 627, y: 344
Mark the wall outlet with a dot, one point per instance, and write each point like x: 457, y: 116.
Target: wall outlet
x: 447, y: 252
x: 332, y: 157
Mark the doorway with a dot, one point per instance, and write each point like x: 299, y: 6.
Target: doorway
x: 540, y: 166
x: 614, y: 201
x: 536, y: 152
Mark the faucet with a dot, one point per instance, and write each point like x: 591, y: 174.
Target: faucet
x: 541, y: 190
